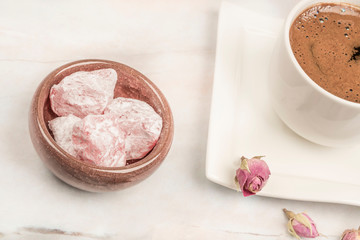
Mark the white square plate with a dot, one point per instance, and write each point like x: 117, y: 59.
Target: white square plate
x: 242, y: 121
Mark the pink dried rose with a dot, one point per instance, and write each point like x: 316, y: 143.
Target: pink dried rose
x: 252, y: 175
x: 301, y: 225
x: 351, y: 234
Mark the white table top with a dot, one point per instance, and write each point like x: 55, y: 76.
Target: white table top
x: 171, y: 42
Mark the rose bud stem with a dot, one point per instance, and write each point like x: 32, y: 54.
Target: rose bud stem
x: 288, y: 213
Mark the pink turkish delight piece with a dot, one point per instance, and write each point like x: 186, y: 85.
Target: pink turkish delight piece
x: 62, y: 128
x: 83, y: 93
x: 98, y: 139
x: 140, y: 122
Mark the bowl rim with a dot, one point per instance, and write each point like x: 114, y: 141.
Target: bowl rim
x: 165, y: 136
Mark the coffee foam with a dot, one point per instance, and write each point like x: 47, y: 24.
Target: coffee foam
x: 325, y: 40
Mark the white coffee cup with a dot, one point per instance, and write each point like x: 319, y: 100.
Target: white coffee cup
x: 304, y: 106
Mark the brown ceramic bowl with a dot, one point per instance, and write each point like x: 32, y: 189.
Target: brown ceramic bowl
x: 83, y: 175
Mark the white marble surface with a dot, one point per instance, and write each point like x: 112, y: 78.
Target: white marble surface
x: 173, y: 43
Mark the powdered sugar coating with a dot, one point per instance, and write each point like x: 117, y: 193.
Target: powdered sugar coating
x: 83, y: 93
x: 99, y: 140
x: 140, y: 122
x: 62, y: 128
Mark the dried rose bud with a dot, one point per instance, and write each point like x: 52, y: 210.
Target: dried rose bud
x: 351, y: 234
x: 252, y: 175
x: 301, y: 225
